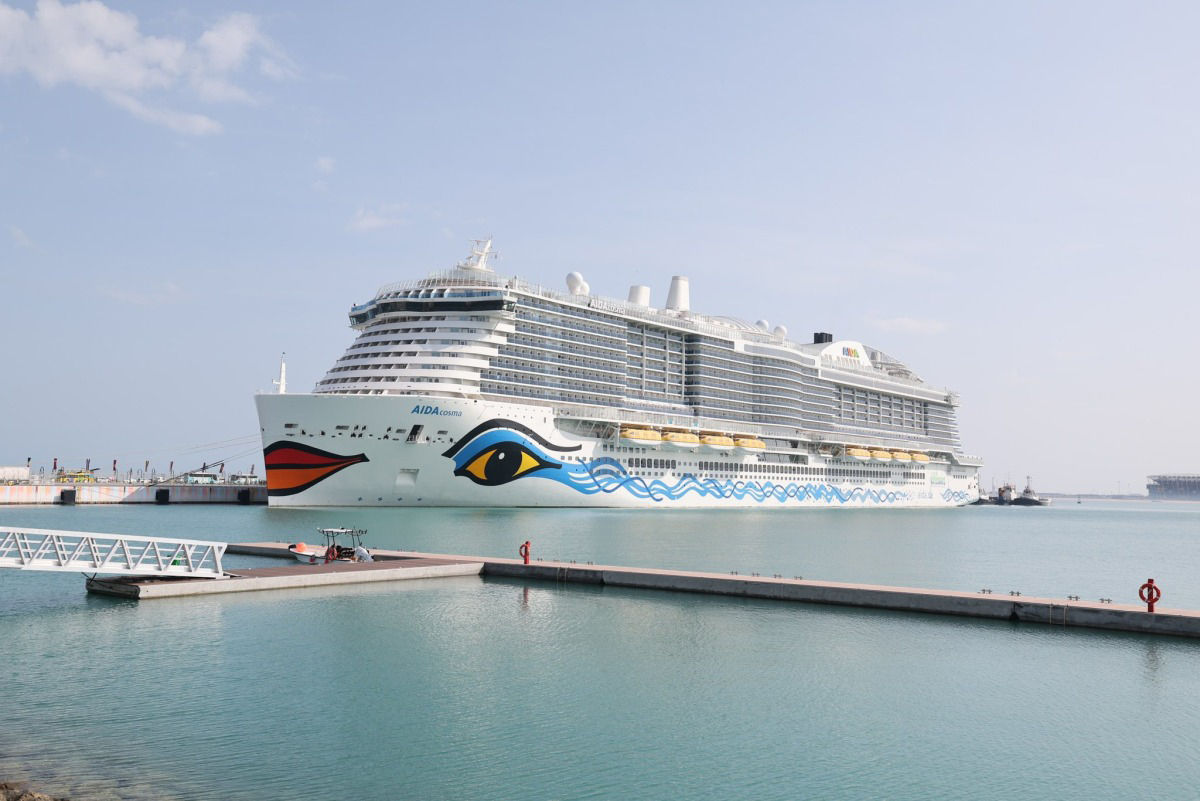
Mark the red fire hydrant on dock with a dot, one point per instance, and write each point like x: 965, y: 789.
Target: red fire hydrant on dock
x: 524, y: 551
x: 1149, y: 592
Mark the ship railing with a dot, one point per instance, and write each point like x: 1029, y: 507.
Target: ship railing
x: 873, y: 379
x: 678, y: 319
x: 668, y: 419
x: 685, y: 320
x: 832, y: 434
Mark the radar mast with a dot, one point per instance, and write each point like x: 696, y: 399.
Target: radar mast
x: 480, y: 253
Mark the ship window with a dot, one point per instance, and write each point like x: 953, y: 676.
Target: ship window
x: 290, y: 425
x: 414, y: 433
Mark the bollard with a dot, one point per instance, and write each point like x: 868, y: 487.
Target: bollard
x: 1150, y: 593
x: 524, y: 551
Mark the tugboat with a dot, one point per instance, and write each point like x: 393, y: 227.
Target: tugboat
x: 1005, y: 495
x: 1028, y: 497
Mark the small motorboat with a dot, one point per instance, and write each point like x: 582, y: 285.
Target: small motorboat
x: 348, y: 549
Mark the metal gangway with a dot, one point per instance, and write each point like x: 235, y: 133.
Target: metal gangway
x: 88, y: 552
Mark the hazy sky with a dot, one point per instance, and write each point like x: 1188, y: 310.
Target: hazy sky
x: 1002, y: 195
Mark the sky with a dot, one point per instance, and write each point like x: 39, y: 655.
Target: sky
x: 1002, y: 195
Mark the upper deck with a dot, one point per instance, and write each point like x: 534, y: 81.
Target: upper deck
x: 470, y: 332
x: 465, y: 289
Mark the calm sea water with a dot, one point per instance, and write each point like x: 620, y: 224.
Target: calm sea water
x: 469, y: 688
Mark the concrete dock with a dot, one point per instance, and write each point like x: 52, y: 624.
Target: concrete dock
x: 289, y: 577
x: 399, y: 565
x: 1027, y: 609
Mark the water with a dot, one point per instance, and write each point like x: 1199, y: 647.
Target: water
x: 495, y: 689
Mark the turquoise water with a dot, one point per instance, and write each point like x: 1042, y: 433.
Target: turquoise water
x: 468, y: 688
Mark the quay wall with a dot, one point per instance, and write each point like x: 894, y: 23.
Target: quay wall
x: 132, y: 493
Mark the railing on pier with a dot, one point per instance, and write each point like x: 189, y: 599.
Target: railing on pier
x: 86, y: 552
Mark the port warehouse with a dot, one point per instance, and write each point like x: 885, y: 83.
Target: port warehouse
x: 1174, y: 487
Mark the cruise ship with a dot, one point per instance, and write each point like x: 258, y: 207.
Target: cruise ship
x: 470, y: 388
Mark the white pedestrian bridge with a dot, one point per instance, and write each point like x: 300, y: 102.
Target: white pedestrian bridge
x: 88, y: 552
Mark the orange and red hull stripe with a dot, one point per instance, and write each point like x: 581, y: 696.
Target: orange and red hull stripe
x: 293, y: 467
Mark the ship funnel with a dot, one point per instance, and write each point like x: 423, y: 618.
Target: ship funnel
x: 639, y: 295
x: 679, y: 299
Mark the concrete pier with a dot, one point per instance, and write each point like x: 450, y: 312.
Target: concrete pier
x: 289, y: 577
x: 1046, y: 611
x: 400, y: 565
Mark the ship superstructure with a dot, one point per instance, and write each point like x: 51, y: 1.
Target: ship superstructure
x: 469, y: 388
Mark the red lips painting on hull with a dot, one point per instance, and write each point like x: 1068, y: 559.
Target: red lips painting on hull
x: 292, y: 467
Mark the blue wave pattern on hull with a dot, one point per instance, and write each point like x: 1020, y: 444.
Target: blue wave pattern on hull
x: 607, y: 475
x: 954, y: 496
x: 498, y: 455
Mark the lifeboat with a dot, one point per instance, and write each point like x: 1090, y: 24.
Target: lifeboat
x: 920, y: 457
x: 901, y: 456
x: 642, y: 436
x: 749, y: 443
x: 716, y: 442
x: 881, y: 456
x: 861, y: 454
x: 680, y: 439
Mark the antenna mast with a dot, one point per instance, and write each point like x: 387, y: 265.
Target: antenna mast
x: 282, y: 381
x: 480, y: 254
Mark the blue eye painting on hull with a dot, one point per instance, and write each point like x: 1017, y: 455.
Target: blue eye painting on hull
x: 500, y: 451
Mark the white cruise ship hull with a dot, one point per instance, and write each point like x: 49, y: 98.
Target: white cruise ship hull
x: 409, y: 450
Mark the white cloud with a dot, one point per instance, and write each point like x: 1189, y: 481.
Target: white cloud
x: 21, y: 238
x: 277, y: 66
x: 178, y: 121
x: 227, y: 43
x: 90, y: 45
x: 325, y: 164
x: 168, y: 293
x: 381, y: 217
x: 910, y: 325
